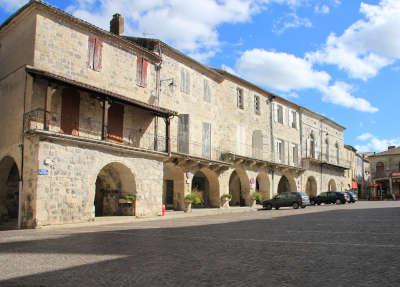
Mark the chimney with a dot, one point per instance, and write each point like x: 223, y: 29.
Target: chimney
x: 117, y: 24
x: 391, y: 147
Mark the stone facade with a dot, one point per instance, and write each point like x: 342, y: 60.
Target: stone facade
x: 230, y: 136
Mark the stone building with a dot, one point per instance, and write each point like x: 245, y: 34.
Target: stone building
x: 99, y: 124
x: 358, y: 176
x: 385, y: 172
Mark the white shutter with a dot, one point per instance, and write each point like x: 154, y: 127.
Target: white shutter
x: 297, y: 120
x: 290, y: 147
x: 187, y: 82
x: 276, y: 151
x: 284, y: 116
x: 308, y: 145
x: 275, y: 110
x: 290, y: 118
x: 316, y: 149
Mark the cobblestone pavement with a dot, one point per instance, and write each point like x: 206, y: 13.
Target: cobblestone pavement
x: 347, y: 245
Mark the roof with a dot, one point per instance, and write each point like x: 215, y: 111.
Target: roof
x: 392, y: 151
x: 36, y: 4
x: 151, y: 44
x: 350, y: 147
x: 250, y: 85
x: 154, y: 109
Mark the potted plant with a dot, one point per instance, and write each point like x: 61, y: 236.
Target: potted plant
x: 191, y: 198
x: 126, y: 204
x: 225, y: 199
x: 255, y: 197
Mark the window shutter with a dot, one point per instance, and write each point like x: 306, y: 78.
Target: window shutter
x: 183, y: 81
x: 290, y: 118
x: 144, y: 72
x: 91, y: 48
x: 183, y: 133
x: 139, y: 69
x: 98, y: 55
x: 316, y: 149
x: 187, y: 88
x: 275, y: 111
x: 206, y: 140
x: 308, y: 146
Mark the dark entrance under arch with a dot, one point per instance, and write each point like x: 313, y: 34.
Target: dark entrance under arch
x: 9, y: 193
x: 236, y: 190
x: 311, y: 186
x: 201, y: 185
x: 115, y: 191
x: 286, y: 185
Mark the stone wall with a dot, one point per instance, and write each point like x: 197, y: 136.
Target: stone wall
x: 67, y: 193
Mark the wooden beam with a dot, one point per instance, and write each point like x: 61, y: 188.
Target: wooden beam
x: 104, y: 122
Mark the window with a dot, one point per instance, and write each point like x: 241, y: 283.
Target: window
x: 380, y: 169
x: 206, y: 139
x: 257, y: 144
x: 183, y: 133
x: 115, y: 129
x: 185, y: 81
x: 257, y: 107
x: 293, y: 119
x: 280, y: 150
x: 295, y: 154
x: 207, y: 91
x: 95, y: 53
x: 141, y: 71
x: 311, y: 147
x: 327, y: 150
x: 240, y: 100
x: 337, y: 153
x: 280, y: 114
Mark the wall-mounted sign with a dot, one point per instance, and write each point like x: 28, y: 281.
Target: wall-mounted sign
x: 43, y: 171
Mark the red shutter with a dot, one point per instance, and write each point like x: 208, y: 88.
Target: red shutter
x: 116, y: 123
x: 144, y: 73
x: 139, y: 70
x: 98, y: 55
x: 91, y: 48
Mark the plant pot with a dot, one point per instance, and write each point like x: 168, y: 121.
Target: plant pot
x: 188, y: 206
x: 253, y: 203
x: 225, y: 202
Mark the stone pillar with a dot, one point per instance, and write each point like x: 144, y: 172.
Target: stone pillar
x: 104, y: 123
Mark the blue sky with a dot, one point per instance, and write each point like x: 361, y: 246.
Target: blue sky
x: 339, y: 58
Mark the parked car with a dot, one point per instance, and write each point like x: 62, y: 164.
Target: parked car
x: 352, y: 196
x: 286, y: 199
x: 330, y: 197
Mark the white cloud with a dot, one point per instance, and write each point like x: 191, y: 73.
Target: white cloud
x: 290, y: 21
x: 322, y: 9
x: 340, y: 93
x: 287, y: 73
x: 280, y: 71
x: 366, y: 46
x: 372, y: 143
x: 11, y: 5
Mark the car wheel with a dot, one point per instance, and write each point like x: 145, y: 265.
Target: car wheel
x: 312, y: 202
x: 338, y: 201
x: 276, y: 207
x: 268, y: 207
x: 295, y: 205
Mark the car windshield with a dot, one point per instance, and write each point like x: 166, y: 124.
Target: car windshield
x: 303, y: 193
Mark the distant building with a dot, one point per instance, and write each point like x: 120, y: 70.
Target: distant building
x: 385, y: 172
x: 358, y: 175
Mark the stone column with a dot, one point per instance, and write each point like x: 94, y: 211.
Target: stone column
x: 104, y: 123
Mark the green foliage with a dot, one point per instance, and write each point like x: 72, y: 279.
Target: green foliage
x: 388, y: 196
x: 256, y: 196
x: 193, y: 197
x: 226, y: 196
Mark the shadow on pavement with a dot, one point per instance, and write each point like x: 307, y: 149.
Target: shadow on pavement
x: 359, y: 247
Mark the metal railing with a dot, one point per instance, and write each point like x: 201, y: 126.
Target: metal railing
x: 139, y: 137
x: 329, y: 159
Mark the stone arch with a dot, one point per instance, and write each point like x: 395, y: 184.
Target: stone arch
x: 263, y: 185
x: 332, y: 185
x: 311, y: 186
x: 9, y: 192
x: 239, y: 187
x: 115, y: 191
x: 206, y: 183
x: 287, y: 184
x: 174, y: 187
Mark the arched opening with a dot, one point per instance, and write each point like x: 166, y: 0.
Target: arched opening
x: 262, y: 185
x: 205, y: 182
x: 115, y: 191
x: 237, y: 188
x: 311, y: 186
x: 9, y: 193
x: 174, y: 187
x: 332, y: 185
x: 286, y: 184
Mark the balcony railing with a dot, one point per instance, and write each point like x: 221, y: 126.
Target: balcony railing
x: 330, y: 160
x: 40, y: 120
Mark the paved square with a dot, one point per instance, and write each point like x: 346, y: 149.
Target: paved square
x: 349, y: 245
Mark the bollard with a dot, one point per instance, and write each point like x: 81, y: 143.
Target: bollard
x: 163, y: 210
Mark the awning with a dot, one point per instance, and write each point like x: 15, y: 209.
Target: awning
x: 396, y: 174
x: 376, y: 185
x: 354, y: 184
x: 158, y: 111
